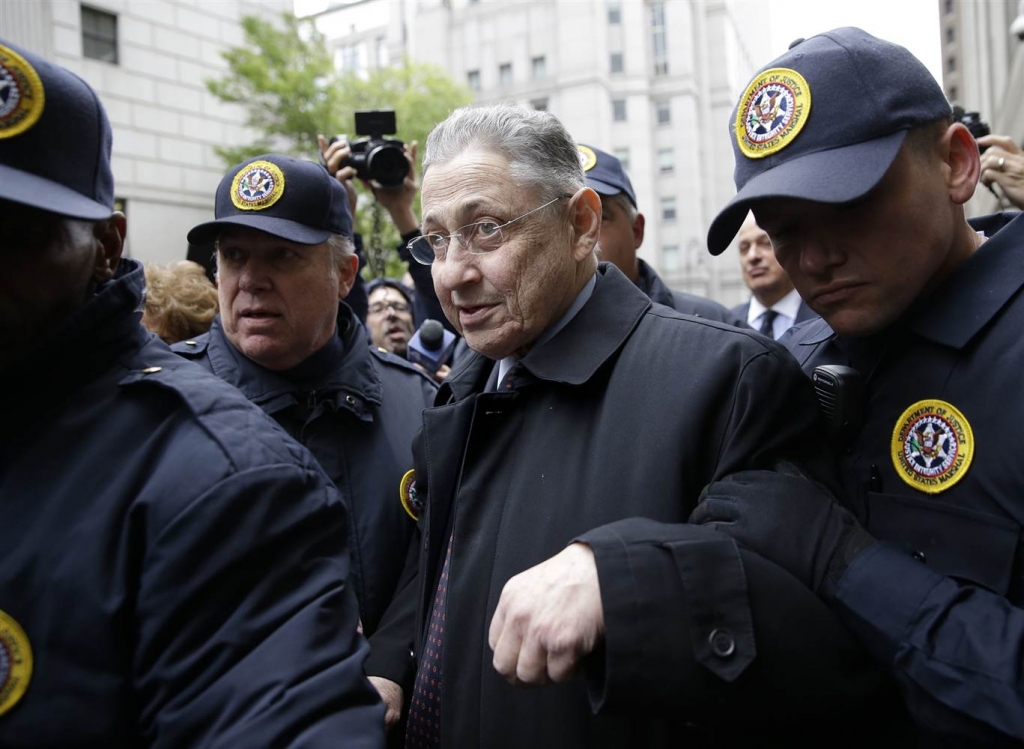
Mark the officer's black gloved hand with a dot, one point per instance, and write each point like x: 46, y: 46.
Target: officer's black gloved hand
x: 788, y: 520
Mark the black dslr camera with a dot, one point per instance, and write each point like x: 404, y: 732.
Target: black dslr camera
x: 973, y: 122
x: 375, y: 157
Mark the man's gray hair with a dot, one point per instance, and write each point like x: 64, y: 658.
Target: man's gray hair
x: 540, y: 152
x: 626, y: 205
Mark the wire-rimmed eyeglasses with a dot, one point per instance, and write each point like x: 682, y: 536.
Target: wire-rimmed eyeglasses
x: 477, y: 239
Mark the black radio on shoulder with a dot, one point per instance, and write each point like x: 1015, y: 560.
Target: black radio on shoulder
x: 375, y: 157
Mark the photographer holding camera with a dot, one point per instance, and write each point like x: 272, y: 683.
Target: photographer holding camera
x: 394, y: 188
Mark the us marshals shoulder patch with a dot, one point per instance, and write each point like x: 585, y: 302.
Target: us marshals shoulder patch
x: 411, y: 501
x: 15, y: 662
x: 932, y: 446
x: 772, y: 112
x: 257, y: 186
x: 21, y: 94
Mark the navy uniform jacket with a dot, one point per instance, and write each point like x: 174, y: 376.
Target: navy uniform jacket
x: 942, y: 603
x: 633, y: 409
x: 172, y: 556
x: 357, y: 410
x: 689, y: 304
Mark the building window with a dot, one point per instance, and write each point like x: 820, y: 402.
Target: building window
x: 505, y: 74
x: 99, y: 35
x: 666, y: 161
x: 949, y: 6
x: 951, y: 64
x: 473, y: 79
x: 668, y: 209
x: 664, y: 111
x: 659, y: 47
x: 541, y: 105
x: 670, y: 260
x: 622, y: 154
x: 950, y: 35
x: 346, y: 58
x: 952, y: 93
x: 614, y: 13
x: 619, y: 110
x: 538, y: 67
x: 616, y: 62
x: 382, y: 52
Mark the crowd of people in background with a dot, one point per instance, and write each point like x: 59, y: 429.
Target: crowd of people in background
x: 527, y: 495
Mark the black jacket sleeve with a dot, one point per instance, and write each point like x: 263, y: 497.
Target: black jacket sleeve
x: 246, y: 622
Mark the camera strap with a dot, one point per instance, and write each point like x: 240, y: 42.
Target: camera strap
x: 375, y: 256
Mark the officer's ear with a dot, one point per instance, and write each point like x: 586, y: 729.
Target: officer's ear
x: 347, y: 270
x: 109, y: 237
x: 962, y: 162
x: 638, y: 230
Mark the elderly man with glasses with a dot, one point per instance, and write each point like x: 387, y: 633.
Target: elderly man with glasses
x: 556, y: 473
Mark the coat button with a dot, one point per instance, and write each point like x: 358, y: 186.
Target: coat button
x: 721, y: 643
x: 919, y: 556
x: 151, y: 370
x: 350, y: 400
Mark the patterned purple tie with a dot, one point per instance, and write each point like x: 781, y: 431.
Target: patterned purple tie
x: 424, y: 727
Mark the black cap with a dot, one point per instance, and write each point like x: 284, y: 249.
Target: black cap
x: 54, y: 139
x: 288, y: 198
x: 824, y: 122
x: 604, y: 173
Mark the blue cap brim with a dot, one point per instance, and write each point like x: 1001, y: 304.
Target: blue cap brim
x: 278, y: 227
x: 604, y: 188
x: 835, y: 176
x: 38, y: 192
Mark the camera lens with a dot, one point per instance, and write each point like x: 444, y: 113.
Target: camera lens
x: 387, y: 165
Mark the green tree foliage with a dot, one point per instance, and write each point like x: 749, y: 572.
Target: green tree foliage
x: 284, y: 78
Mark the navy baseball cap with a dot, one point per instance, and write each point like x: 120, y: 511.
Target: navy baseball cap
x: 54, y: 139
x: 824, y: 122
x: 604, y: 173
x: 288, y: 198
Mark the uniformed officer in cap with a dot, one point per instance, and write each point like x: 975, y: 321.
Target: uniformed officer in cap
x: 283, y: 237
x: 847, y: 154
x: 174, y: 569
x: 622, y: 233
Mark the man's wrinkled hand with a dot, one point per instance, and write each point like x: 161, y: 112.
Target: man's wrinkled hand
x: 392, y: 695
x: 548, y: 618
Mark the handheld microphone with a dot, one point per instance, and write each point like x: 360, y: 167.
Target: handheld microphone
x: 431, y: 346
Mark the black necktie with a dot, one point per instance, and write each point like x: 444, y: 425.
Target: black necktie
x: 768, y: 322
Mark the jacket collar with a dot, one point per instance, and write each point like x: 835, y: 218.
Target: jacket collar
x: 101, y: 333
x: 346, y: 366
x: 651, y: 284
x: 976, y: 290
x: 574, y: 355
x: 966, y: 301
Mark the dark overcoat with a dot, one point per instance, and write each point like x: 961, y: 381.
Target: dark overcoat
x: 624, y: 417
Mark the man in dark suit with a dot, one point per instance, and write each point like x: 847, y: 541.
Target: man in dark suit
x: 775, y: 306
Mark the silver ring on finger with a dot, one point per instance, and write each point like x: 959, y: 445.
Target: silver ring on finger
x: 1001, y: 163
